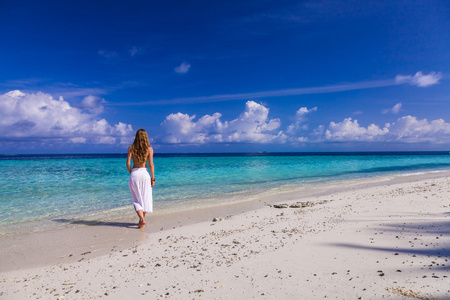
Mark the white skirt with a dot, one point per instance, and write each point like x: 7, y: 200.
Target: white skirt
x: 141, y: 189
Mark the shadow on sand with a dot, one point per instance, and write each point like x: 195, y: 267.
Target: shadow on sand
x: 426, y: 239
x: 97, y: 223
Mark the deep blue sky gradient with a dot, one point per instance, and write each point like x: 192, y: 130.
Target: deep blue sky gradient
x: 125, y: 52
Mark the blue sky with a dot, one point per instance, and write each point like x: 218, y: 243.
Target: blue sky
x: 238, y: 76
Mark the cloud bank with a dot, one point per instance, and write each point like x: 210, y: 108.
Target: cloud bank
x: 40, y: 117
x: 407, y: 129
x: 349, y: 130
x: 251, y: 126
x: 254, y: 126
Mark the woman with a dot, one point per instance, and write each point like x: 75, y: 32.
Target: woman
x: 140, y: 183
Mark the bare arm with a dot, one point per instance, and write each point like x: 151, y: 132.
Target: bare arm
x: 129, y: 159
x: 150, y: 164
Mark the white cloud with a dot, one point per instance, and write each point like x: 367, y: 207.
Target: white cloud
x: 301, y: 139
x: 93, y: 104
x: 419, y: 79
x: 40, y: 116
x: 78, y: 140
x: 183, y: 68
x: 252, y: 126
x: 349, y: 130
x: 300, y: 119
x: 407, y: 129
x: 394, y: 110
x: 108, y: 54
x: 105, y: 140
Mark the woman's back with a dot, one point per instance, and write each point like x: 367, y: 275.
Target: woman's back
x: 137, y: 163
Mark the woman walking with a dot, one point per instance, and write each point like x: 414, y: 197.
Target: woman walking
x: 140, y: 183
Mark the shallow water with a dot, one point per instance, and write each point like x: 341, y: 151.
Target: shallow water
x: 45, y: 187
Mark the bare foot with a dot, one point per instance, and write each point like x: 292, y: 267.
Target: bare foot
x: 141, y: 224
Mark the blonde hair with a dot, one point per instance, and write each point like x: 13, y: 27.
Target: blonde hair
x: 140, y: 146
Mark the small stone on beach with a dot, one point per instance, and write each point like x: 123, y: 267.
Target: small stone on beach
x: 280, y: 205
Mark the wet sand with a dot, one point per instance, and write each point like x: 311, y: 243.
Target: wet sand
x: 389, y: 239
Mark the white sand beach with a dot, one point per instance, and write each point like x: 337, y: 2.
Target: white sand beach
x: 389, y: 239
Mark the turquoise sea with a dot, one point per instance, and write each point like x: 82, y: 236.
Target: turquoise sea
x: 38, y: 188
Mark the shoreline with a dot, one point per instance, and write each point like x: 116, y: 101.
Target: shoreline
x: 103, y: 198
x: 388, y: 238
x: 51, y: 246
x: 125, y: 214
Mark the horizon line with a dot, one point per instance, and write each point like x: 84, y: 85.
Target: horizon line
x: 237, y: 152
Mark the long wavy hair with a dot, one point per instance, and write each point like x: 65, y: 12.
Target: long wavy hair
x: 140, y: 146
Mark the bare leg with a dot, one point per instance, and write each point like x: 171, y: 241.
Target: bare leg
x: 140, y: 214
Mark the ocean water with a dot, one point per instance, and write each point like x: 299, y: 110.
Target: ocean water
x: 35, y: 188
